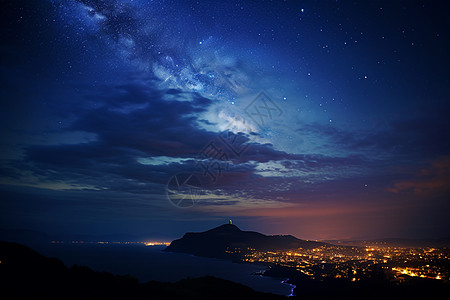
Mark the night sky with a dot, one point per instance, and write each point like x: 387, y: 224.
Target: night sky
x: 320, y: 119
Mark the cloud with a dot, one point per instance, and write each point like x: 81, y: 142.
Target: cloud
x: 412, y: 138
x: 432, y: 180
x: 130, y: 121
x: 141, y: 135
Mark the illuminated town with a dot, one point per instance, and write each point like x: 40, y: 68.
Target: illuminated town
x: 353, y: 263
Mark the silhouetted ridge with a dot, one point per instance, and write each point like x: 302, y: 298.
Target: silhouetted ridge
x: 225, y: 228
x: 228, y: 240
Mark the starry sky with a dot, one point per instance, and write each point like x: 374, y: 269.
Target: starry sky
x: 321, y: 119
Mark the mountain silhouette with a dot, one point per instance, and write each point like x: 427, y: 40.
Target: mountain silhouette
x: 228, y: 240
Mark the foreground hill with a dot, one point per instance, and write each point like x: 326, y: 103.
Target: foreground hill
x: 220, y: 241
x: 25, y: 274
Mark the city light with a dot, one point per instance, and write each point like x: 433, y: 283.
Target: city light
x: 355, y: 262
x: 157, y: 244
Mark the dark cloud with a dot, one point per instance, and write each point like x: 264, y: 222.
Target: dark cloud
x: 410, y: 138
x: 135, y: 120
x: 159, y: 127
x: 123, y: 134
x: 431, y: 180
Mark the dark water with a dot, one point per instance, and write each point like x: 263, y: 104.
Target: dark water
x: 151, y: 263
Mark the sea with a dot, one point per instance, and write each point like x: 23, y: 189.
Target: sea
x: 148, y: 263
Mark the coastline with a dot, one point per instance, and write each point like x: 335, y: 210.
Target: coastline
x: 151, y: 263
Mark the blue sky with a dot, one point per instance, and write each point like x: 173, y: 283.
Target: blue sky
x: 105, y: 101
